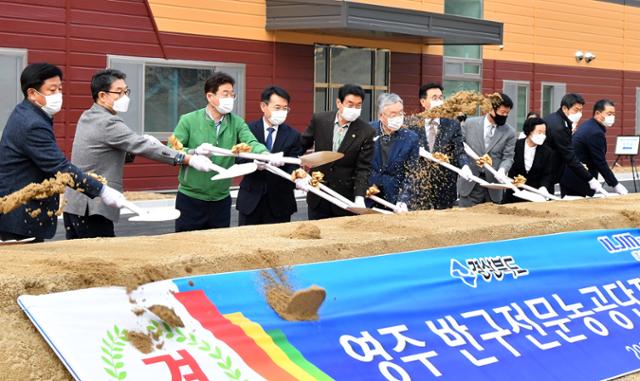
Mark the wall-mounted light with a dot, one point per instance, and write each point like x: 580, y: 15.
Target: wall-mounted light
x: 588, y: 57
x: 501, y: 47
x: 579, y: 56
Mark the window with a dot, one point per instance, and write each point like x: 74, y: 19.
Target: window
x: 12, y: 62
x: 338, y: 65
x: 163, y: 90
x: 518, y: 91
x: 462, y: 63
x: 637, y: 110
x: 552, y: 94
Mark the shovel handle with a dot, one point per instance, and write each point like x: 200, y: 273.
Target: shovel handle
x: 337, y: 195
x: 317, y: 192
x: 427, y: 155
x: 384, y: 202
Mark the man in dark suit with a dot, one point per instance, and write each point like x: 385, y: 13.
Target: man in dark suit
x: 560, y: 126
x: 343, y: 132
x: 265, y: 198
x: 395, y: 153
x: 532, y: 159
x: 590, y: 145
x: 29, y: 154
x: 433, y: 186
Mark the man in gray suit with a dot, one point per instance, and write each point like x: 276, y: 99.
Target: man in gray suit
x: 101, y: 142
x: 489, y: 135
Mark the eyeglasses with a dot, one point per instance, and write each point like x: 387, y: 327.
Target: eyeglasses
x: 126, y: 92
x: 278, y: 108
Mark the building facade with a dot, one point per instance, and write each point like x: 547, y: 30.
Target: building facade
x: 310, y: 47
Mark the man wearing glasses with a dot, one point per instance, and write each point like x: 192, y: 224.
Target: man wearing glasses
x: 100, y: 144
x: 265, y: 198
x: 206, y: 204
x: 344, y: 132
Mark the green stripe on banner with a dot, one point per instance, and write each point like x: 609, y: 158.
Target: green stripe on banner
x: 294, y: 355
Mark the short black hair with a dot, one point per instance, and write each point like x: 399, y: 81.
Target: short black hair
x: 569, y: 100
x: 350, y: 89
x: 506, y: 102
x: 34, y: 75
x: 279, y: 91
x: 533, y: 114
x: 216, y: 80
x: 530, y: 125
x: 103, y: 79
x: 424, y: 88
x: 602, y: 104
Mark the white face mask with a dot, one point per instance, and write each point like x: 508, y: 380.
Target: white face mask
x: 53, y: 103
x: 609, y: 120
x: 437, y: 103
x: 395, y: 123
x: 350, y: 113
x: 121, y: 104
x: 278, y: 117
x: 538, y: 139
x: 574, y: 118
x: 225, y: 106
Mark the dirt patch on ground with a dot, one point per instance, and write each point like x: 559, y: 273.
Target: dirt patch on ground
x: 305, y: 231
x: 140, y: 196
x: 131, y: 261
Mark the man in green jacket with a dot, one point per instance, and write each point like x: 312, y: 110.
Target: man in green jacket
x: 203, y: 203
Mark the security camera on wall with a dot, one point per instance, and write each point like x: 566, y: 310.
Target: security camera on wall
x: 579, y: 56
x: 588, y: 57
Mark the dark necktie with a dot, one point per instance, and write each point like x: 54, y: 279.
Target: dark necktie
x: 269, y: 143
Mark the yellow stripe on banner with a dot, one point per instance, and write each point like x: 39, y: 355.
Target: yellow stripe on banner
x: 264, y: 341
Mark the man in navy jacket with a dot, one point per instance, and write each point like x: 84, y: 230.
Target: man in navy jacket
x: 29, y: 154
x: 396, y: 151
x: 265, y: 198
x: 590, y: 146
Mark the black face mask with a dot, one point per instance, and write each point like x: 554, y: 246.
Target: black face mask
x: 500, y: 120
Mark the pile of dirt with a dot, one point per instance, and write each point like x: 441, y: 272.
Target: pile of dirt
x: 131, y: 261
x: 33, y: 191
x: 305, y: 231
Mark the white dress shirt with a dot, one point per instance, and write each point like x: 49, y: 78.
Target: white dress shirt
x: 266, y: 126
x: 529, y: 155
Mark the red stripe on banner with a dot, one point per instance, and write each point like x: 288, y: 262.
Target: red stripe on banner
x: 203, y: 310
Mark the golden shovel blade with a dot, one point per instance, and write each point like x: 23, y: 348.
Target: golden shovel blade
x: 316, y: 159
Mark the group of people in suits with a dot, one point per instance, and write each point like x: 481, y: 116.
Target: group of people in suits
x: 384, y: 153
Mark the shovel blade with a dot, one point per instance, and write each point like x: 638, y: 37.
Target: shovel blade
x: 17, y: 242
x: 529, y: 196
x: 236, y: 170
x: 316, y: 159
x: 156, y: 215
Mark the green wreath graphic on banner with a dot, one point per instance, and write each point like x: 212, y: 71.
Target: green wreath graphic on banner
x: 114, y: 342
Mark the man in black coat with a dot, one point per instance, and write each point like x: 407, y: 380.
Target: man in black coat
x: 265, y: 198
x: 560, y: 126
x: 29, y: 154
x: 344, y: 132
x: 590, y: 145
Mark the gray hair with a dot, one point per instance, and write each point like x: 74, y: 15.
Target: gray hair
x: 387, y: 99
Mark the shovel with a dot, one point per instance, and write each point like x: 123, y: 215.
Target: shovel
x: 427, y: 155
x: 235, y: 170
x: 314, y: 159
x: 151, y: 215
x: 384, y: 203
x: 17, y: 242
x: 523, y: 194
x: 334, y: 200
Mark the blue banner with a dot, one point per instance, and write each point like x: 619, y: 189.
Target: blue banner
x: 564, y: 306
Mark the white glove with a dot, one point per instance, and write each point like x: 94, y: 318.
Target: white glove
x: 401, y: 207
x: 595, y: 185
x: 466, y: 173
x: 152, y: 139
x: 201, y: 163
x: 112, y: 197
x: 620, y: 189
x: 276, y: 159
x: 360, y: 202
x: 261, y: 165
x: 303, y: 184
x: 205, y: 149
x: 502, y: 177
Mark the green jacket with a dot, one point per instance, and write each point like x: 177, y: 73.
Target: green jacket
x: 196, y: 128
